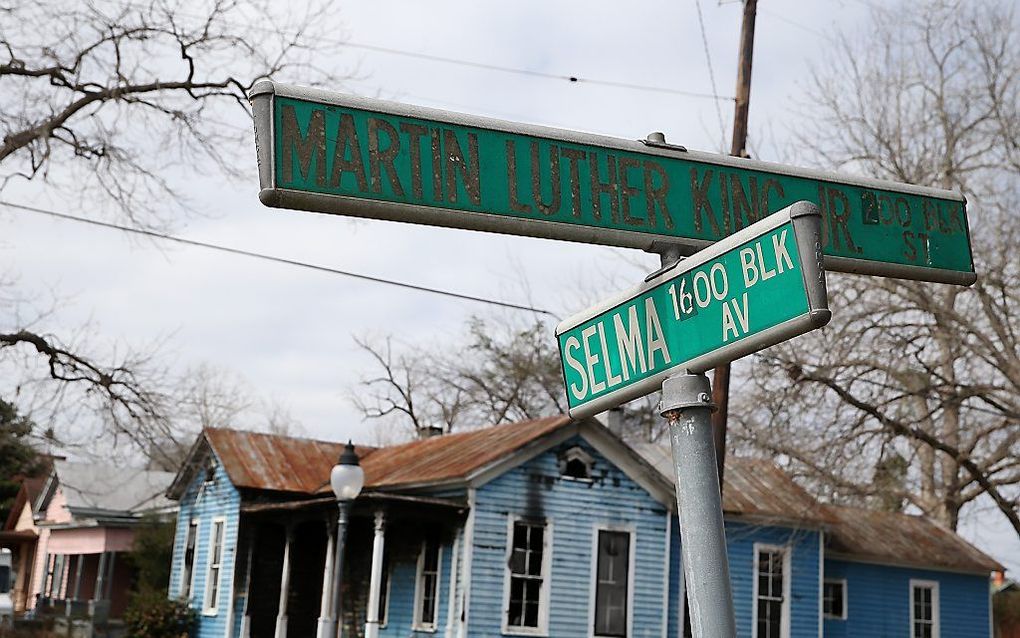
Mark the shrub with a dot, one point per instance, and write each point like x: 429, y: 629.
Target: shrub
x: 150, y: 614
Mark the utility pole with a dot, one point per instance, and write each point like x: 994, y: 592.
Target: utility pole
x: 738, y: 148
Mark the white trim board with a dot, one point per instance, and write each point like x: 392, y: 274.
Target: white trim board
x: 786, y: 551
x: 631, y: 531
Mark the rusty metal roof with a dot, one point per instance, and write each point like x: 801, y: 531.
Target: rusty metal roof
x: 273, y: 462
x: 751, y: 487
x: 759, y: 489
x: 888, y: 537
x: 754, y: 488
x: 288, y: 464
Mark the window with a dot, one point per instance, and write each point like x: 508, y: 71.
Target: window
x: 5, y: 579
x: 770, y: 592
x: 924, y: 609
x: 612, y: 573
x: 834, y: 599
x: 427, y: 588
x: 576, y: 464
x: 527, y: 578
x: 212, y: 580
x: 187, y: 577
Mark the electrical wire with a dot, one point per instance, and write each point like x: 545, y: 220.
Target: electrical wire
x: 803, y: 27
x: 575, y: 79
x: 279, y: 260
x: 540, y: 74
x: 711, y: 74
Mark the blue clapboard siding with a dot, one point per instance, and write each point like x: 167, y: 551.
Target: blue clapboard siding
x: 400, y: 606
x: 574, y: 509
x: 207, y: 502
x: 878, y: 601
x: 676, y: 591
x: 804, y: 579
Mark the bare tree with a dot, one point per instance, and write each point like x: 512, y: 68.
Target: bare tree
x: 912, y: 394
x: 101, y: 98
x: 505, y: 369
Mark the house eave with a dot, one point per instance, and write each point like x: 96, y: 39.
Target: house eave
x: 366, y: 497
x: 885, y: 562
x: 775, y: 521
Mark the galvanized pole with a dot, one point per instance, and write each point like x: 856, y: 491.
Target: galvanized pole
x: 687, y: 405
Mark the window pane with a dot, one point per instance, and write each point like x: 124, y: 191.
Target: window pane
x: 217, y: 542
x: 214, y: 573
x: 431, y: 557
x: 535, y: 550
x: 520, y: 536
x: 832, y: 602
x: 531, y: 614
x: 611, y: 586
x: 518, y: 561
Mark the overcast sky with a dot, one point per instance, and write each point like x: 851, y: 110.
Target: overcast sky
x: 288, y: 332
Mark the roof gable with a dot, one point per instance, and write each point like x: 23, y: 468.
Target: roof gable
x: 24, y: 501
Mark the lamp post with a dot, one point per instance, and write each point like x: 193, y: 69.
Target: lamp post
x: 346, y: 478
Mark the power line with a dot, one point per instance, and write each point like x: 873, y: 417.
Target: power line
x: 529, y: 72
x: 803, y: 27
x: 575, y: 79
x: 279, y: 260
x: 711, y: 72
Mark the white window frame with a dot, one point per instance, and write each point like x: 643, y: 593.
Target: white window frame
x: 543, y: 595
x: 786, y: 551
x: 935, y: 613
x: 419, y: 591
x: 207, y: 608
x: 632, y: 531
x: 842, y: 583
x: 188, y: 588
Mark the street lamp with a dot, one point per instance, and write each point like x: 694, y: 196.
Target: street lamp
x: 346, y: 478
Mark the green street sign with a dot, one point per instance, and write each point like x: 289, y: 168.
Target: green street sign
x: 336, y: 153
x: 760, y: 286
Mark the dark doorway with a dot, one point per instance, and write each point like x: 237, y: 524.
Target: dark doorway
x: 307, y: 559
x: 266, y: 568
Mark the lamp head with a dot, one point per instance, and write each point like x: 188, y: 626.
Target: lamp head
x: 347, y: 477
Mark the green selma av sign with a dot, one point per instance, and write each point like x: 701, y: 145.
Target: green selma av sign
x: 336, y: 153
x: 760, y: 286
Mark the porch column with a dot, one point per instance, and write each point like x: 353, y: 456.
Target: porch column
x: 326, y: 627
x: 100, y: 577
x: 281, y: 615
x: 107, y: 595
x: 245, y: 613
x: 375, y: 584
x: 79, y: 562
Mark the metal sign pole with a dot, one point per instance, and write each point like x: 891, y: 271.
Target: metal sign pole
x: 687, y: 406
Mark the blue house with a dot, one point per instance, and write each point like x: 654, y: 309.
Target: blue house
x: 551, y: 527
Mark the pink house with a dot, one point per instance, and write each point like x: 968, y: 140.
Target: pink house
x: 84, y: 518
